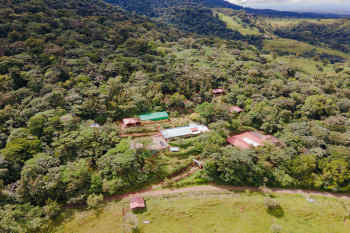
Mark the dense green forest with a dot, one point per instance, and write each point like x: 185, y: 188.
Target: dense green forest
x: 154, y: 8
x: 65, y: 65
x: 198, y: 16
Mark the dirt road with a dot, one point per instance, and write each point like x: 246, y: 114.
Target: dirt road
x: 221, y: 188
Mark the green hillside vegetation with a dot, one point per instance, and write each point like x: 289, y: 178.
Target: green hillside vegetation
x: 66, y: 66
x: 284, y: 22
x: 331, y: 33
x: 217, y: 212
x: 195, y: 16
x: 235, y: 23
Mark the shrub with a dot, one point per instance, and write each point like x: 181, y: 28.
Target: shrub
x: 274, y: 208
x: 271, y: 204
x: 52, y: 209
x: 94, y: 200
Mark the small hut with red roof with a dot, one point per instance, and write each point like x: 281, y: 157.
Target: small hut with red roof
x: 131, y: 122
x: 137, y: 203
x: 218, y: 91
x: 235, y: 109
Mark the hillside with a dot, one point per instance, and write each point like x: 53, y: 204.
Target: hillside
x: 72, y: 70
x: 154, y: 8
x: 323, y: 33
x: 201, y: 17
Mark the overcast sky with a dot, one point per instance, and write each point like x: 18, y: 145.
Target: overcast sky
x: 331, y: 6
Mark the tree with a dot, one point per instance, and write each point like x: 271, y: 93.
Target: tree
x: 335, y: 174
x: 121, y: 168
x: 40, y: 180
x: 21, y: 146
x: 319, y: 106
x: 303, y: 168
x: 75, y: 177
x: 239, y: 168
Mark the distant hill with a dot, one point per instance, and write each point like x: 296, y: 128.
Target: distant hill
x: 193, y: 16
x: 200, y: 16
x: 153, y: 8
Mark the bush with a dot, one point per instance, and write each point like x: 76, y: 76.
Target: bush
x: 168, y: 183
x: 271, y: 204
x: 273, y: 207
x: 94, y: 200
x: 52, y: 209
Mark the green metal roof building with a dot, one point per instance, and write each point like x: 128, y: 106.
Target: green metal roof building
x: 155, y: 116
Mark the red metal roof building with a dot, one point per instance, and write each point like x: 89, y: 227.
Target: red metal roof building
x: 235, y: 109
x: 137, y: 203
x: 218, y: 91
x: 129, y: 122
x: 252, y: 139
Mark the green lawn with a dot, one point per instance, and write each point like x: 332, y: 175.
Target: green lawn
x: 221, y: 212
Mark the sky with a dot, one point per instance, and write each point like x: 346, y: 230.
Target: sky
x: 324, y: 6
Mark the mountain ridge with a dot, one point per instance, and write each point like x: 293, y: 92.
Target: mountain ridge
x: 149, y: 8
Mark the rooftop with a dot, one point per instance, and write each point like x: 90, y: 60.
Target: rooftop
x: 131, y: 121
x: 95, y: 125
x: 155, y: 116
x: 137, y: 202
x: 235, y: 109
x: 192, y: 129
x: 218, y: 91
x: 251, y: 139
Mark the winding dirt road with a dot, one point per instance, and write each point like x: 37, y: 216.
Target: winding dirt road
x: 156, y: 190
x: 221, y: 188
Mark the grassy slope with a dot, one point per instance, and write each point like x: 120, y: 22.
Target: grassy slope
x: 217, y: 212
x: 285, y: 45
x: 283, y: 22
x: 293, y: 46
x: 235, y: 23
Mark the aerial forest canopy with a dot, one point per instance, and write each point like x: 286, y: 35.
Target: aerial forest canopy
x: 71, y: 70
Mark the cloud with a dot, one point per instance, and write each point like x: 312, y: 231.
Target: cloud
x: 334, y: 6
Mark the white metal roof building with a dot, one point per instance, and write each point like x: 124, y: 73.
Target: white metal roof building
x: 192, y: 129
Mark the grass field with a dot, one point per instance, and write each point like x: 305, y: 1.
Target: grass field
x: 220, y: 212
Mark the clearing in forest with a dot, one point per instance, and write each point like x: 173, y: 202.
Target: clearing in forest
x: 218, y: 211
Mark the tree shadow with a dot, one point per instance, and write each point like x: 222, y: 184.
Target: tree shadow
x: 139, y: 210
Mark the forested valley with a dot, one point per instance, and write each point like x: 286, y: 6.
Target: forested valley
x: 71, y: 70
